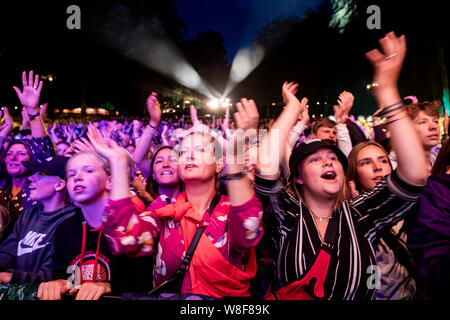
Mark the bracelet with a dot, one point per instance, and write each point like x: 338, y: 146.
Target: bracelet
x: 391, y: 108
x: 33, y: 116
x: 234, y: 176
x: 150, y: 124
x: 392, y: 121
x: 395, y: 114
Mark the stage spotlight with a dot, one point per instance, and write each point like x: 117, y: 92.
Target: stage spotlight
x: 245, y: 61
x: 214, y: 103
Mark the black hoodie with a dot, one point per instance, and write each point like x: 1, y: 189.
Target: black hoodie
x: 78, y: 244
x: 27, y: 251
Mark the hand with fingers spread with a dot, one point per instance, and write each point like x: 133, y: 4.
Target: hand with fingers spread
x: 247, y: 115
x: 31, y: 93
x: 118, y: 161
x: 105, y: 146
x: 82, y: 145
x: 288, y: 91
x: 342, y: 109
x: 8, y: 125
x: 154, y: 109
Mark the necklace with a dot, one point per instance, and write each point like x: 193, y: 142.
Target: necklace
x: 320, y: 218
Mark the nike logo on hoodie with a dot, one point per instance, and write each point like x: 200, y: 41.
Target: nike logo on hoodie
x: 30, y: 243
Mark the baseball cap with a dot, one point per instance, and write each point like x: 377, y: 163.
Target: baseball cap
x: 308, y: 147
x: 53, y: 166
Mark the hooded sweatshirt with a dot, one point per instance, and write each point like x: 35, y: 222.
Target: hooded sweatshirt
x: 82, y: 255
x: 27, y: 251
x: 429, y: 236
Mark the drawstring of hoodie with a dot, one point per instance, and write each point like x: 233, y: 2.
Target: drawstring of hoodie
x: 83, y: 249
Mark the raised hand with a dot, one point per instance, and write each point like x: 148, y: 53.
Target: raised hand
x: 43, y: 111
x: 197, y: 124
x: 304, y: 116
x: 25, y: 119
x: 194, y: 117
x: 105, y: 146
x: 247, y: 115
x: 342, y: 109
x: 387, y: 66
x: 31, y: 93
x: 164, y: 135
x: 82, y: 145
x: 6, y: 128
x: 288, y: 91
x: 226, y: 121
x: 140, y: 183
x: 154, y: 109
x: 346, y: 100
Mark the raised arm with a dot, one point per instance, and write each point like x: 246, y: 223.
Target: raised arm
x: 6, y: 127
x: 144, y: 143
x: 341, y: 112
x: 247, y: 118
x: 412, y: 164
x: 29, y: 97
x: 273, y: 145
x: 295, y: 134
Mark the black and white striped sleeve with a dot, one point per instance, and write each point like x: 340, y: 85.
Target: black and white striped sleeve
x: 389, y: 202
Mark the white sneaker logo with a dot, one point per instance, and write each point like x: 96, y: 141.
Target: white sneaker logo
x: 30, y: 243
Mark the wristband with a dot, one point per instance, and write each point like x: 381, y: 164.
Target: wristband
x: 392, y: 121
x: 391, y: 108
x: 33, y: 116
x: 150, y: 124
x: 234, y: 176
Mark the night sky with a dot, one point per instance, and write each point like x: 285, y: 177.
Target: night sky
x: 237, y: 20
x: 89, y: 71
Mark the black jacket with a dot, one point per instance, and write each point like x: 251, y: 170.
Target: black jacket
x: 27, y: 251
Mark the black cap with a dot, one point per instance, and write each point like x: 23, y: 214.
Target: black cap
x: 307, y: 148
x: 53, y: 166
